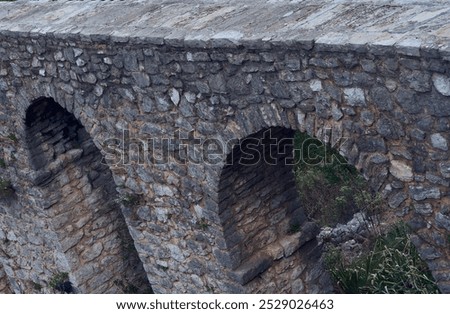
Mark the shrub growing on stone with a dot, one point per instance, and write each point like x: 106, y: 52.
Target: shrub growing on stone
x: 321, y: 168
x: 391, y: 266
x: 6, y: 189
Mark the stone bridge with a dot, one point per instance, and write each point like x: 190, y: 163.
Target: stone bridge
x: 119, y: 121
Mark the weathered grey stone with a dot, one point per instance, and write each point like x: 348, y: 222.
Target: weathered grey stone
x: 162, y: 190
x: 423, y: 209
x: 401, y: 171
x: 443, y: 221
x: 89, y: 78
x: 418, y: 134
x: 371, y: 144
x: 425, y: 123
x: 420, y: 193
x: 417, y: 80
x: 381, y: 98
x: 417, y: 223
x: 175, y: 252
x: 238, y: 85
x: 162, y: 104
x: 142, y: 79
x: 397, y: 199
x: 307, y: 106
x: 336, y: 113
x: 441, y: 83
x: 407, y: 100
x: 290, y: 244
x: 315, y: 85
x: 77, y: 52
x: 389, y: 128
x: 324, y: 62
x: 80, y: 62
x: 429, y: 253
x: 223, y: 258
x: 147, y: 104
x: 323, y: 109
x: 439, y: 142
x: 367, y: 117
x: 355, y: 97
x: 368, y: 66
x: 218, y: 83
x: 174, y: 96
x: 292, y: 63
x: 130, y: 61
x: 444, y: 168
x: 280, y: 90
x: 252, y: 268
x: 436, y: 179
x: 98, y: 90
x: 379, y: 159
x: 92, y: 252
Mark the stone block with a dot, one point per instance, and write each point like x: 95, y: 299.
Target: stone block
x: 441, y: 83
x: 443, y: 221
x: 401, y: 171
x: 354, y: 97
x: 420, y: 193
x: 252, y: 268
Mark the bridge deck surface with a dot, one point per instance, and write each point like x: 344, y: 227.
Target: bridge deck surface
x: 403, y: 23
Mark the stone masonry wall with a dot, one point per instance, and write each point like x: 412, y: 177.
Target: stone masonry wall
x: 387, y: 108
x: 81, y: 201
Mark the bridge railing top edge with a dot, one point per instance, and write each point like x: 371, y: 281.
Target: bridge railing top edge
x: 376, y: 44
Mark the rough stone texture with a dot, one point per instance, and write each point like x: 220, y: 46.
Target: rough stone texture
x: 401, y: 171
x: 82, y: 202
x: 442, y: 84
x: 170, y: 80
x: 4, y: 284
x: 438, y: 141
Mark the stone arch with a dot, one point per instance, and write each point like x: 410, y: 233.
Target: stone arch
x: 79, y: 195
x: 272, y: 246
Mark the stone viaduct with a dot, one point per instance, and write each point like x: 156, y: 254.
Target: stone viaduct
x: 118, y: 119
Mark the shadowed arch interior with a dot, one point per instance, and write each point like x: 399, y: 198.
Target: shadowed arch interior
x: 80, y: 197
x: 265, y: 228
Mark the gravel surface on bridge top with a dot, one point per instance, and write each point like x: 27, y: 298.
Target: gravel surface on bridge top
x: 407, y: 24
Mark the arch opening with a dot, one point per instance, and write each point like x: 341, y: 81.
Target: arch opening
x: 81, y: 201
x: 272, y: 246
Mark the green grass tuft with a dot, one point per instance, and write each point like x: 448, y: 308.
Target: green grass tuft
x: 58, y: 279
x: 391, y: 266
x: 6, y: 188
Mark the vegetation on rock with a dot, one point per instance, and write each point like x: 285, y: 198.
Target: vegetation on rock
x: 391, y: 265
